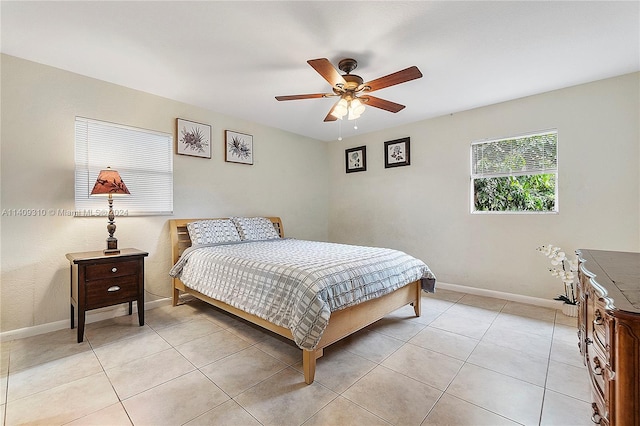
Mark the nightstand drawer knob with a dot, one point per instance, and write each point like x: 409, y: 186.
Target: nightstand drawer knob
x: 113, y: 288
x: 114, y: 270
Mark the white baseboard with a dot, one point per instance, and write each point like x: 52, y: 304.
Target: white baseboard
x: 91, y: 316
x: 121, y: 310
x: 553, y: 304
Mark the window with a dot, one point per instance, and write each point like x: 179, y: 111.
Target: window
x: 518, y: 174
x: 143, y: 158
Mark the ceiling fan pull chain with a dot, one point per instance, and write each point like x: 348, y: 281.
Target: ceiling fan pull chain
x: 340, y: 129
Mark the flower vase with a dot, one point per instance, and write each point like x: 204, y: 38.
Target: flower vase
x: 570, y: 310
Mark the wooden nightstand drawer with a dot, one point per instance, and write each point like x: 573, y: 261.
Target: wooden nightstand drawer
x: 110, y: 291
x: 111, y: 270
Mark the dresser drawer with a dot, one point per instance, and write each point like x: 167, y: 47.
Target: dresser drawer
x: 111, y: 291
x: 110, y: 270
x: 597, y: 414
x: 596, y: 366
x: 599, y: 406
x: 599, y: 324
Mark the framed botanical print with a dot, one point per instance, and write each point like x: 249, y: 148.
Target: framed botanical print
x: 193, y: 138
x: 238, y: 147
x: 355, y: 159
x: 397, y: 153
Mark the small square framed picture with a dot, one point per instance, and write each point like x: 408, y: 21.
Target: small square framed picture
x: 193, y: 138
x: 238, y: 147
x: 355, y: 159
x: 396, y: 153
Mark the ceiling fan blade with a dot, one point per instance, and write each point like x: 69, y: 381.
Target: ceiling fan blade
x: 329, y: 116
x: 328, y: 71
x: 381, y: 103
x: 309, y: 96
x: 403, y: 76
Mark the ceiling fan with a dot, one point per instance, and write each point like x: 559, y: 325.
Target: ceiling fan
x: 353, y: 91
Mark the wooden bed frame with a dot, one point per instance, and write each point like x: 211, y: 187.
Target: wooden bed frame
x: 341, y: 324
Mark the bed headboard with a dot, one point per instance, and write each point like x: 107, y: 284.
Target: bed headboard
x: 180, y: 240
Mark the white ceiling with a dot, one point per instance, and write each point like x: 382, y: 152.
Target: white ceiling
x: 235, y: 57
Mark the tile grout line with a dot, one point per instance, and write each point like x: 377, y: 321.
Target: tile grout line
x: 6, y: 393
x: 466, y: 361
x: 120, y: 400
x: 254, y: 344
x: 546, y: 377
x: 544, y: 389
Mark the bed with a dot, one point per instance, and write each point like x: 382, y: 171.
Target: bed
x: 313, y: 293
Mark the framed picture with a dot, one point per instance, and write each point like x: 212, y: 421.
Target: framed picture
x: 396, y: 153
x: 238, y: 147
x: 355, y: 159
x: 193, y: 138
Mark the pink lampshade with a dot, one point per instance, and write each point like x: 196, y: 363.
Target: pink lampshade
x: 109, y: 182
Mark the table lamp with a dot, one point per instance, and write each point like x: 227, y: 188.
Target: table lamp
x: 110, y: 183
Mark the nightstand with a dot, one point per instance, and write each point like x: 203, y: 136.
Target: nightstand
x: 99, y: 280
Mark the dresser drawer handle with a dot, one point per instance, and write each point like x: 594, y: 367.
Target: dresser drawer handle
x: 595, y: 417
x: 598, y: 318
x: 597, y: 368
x: 114, y: 270
x: 579, y: 340
x: 113, y: 288
x: 611, y: 375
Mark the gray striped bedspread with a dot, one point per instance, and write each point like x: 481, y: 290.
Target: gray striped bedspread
x: 296, y: 284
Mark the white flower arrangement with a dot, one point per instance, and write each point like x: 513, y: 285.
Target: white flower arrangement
x: 567, y: 274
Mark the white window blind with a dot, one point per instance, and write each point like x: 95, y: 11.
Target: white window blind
x: 523, y: 155
x: 143, y: 158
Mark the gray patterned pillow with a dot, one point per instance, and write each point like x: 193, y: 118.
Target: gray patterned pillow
x: 212, y: 231
x: 255, y: 228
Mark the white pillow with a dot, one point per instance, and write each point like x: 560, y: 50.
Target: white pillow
x: 212, y: 231
x: 255, y: 228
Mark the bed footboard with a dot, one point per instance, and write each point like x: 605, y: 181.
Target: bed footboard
x: 347, y: 321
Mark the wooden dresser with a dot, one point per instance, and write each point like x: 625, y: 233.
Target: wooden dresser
x: 609, y: 333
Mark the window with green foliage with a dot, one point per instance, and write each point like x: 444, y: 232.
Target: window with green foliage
x: 518, y: 174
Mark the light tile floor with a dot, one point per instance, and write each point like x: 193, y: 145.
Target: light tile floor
x: 468, y: 360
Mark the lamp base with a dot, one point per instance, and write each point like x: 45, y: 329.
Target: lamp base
x: 112, y: 245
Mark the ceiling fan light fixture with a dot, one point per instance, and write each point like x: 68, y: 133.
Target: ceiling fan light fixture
x: 357, y: 106
x: 348, y: 85
x: 355, y: 110
x: 352, y: 115
x: 341, y: 108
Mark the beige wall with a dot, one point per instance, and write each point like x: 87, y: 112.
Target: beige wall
x: 424, y: 208
x: 39, y: 106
